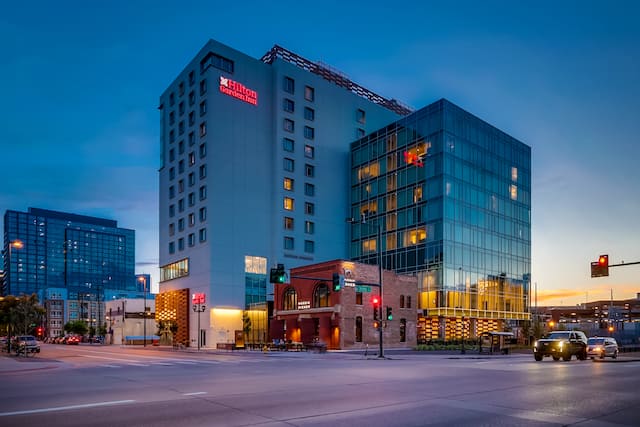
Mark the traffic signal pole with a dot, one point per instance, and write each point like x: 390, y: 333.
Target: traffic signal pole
x: 381, y: 353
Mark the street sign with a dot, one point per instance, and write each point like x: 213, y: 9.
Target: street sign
x: 362, y: 288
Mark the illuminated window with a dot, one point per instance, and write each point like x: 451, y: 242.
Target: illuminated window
x: 417, y: 194
x: 288, y: 223
x: 392, y: 221
x: 368, y: 171
x: 309, y: 227
x: 513, y: 191
x: 309, y: 152
x: 255, y: 265
x: 413, y: 237
x: 288, y: 203
x: 290, y: 299
x: 321, y: 295
x: 369, y: 208
x: 514, y: 173
x: 369, y: 246
x: 391, y: 201
x: 174, y: 270
x: 391, y: 241
x: 288, y: 184
x: 416, y: 154
x: 309, y: 93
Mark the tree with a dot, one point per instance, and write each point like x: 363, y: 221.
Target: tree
x: 77, y: 327
x: 20, y: 314
x: 246, y: 325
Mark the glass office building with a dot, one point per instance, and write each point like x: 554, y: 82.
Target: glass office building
x: 451, y: 195
x: 68, y: 257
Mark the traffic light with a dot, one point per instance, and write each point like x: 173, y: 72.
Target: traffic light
x: 600, y: 268
x: 337, y: 280
x: 376, y: 324
x: 39, y: 330
x: 375, y: 302
x: 277, y: 275
x: 389, y: 313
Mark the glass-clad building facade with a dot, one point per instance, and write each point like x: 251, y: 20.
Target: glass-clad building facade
x: 68, y: 257
x: 452, y: 197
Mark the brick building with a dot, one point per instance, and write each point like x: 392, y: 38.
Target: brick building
x: 307, y: 309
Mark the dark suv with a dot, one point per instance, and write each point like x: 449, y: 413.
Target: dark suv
x: 561, y: 344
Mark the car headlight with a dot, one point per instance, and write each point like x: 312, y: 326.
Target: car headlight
x: 535, y: 344
x: 560, y: 344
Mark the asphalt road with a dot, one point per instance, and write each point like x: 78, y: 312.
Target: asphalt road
x: 113, y: 386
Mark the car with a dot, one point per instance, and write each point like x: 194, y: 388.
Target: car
x: 561, y: 344
x: 73, y: 340
x: 27, y: 344
x: 602, y: 347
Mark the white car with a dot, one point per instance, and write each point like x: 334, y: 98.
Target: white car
x: 602, y: 347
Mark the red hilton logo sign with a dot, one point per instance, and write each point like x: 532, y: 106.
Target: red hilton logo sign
x: 238, y: 90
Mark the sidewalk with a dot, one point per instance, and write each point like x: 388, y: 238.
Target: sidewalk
x: 11, y: 364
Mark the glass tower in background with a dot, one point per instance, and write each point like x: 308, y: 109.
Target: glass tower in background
x: 453, y: 197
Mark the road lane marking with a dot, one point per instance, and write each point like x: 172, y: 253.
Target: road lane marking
x: 64, y: 408
x: 195, y: 393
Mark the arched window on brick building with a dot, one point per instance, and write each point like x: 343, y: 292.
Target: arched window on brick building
x: 321, y: 295
x: 290, y: 299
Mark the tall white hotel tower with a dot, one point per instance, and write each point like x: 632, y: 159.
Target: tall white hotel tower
x: 254, y: 173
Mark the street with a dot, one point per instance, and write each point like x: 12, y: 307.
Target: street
x: 114, y: 386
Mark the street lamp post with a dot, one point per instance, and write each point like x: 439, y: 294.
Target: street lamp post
x: 18, y: 245
x: 379, y: 249
x: 144, y: 298
x: 199, y: 308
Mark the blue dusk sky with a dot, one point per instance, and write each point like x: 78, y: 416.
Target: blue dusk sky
x: 80, y: 83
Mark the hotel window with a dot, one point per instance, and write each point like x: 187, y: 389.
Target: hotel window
x: 192, y: 158
x: 172, y: 211
x: 513, y: 192
x: 181, y: 89
x: 192, y: 219
x: 172, y: 118
x: 203, y: 150
x: 309, y: 152
x: 392, y: 201
x: 192, y: 118
x: 289, y: 85
x: 172, y: 155
x: 192, y: 78
x: 287, y: 144
x: 181, y: 224
x: 172, y: 136
x: 181, y: 205
x: 309, y: 208
x: 192, y: 199
x: 288, y: 184
x: 360, y: 116
x: 172, y: 98
x: 288, y: 243
x: 309, y: 93
x: 368, y: 171
x: 181, y: 108
x: 203, y: 214
x: 514, y: 173
x: 309, y: 170
x: 181, y: 127
x: 203, y: 171
x: 309, y: 227
x: 214, y: 60
x: 203, y: 108
x: 368, y: 246
x: 192, y: 98
x: 414, y: 237
x: 181, y: 166
x: 288, y: 203
x: 309, y: 113
x: 172, y: 229
x: 203, y: 129
x: 172, y: 192
x: 203, y: 192
x: 309, y: 189
x: 181, y: 244
x: 417, y: 194
x: 202, y: 235
x: 192, y: 179
x: 288, y: 164
x: 203, y: 86
x: 192, y: 239
x: 309, y: 132
x: 172, y: 173
x: 181, y: 147
x: 288, y: 125
x: 288, y: 105
x: 181, y: 186
x: 309, y: 246
x: 172, y: 247
x: 192, y: 138
x: 288, y: 223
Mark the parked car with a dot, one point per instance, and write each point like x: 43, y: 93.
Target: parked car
x: 561, y: 344
x: 27, y: 344
x: 602, y: 347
